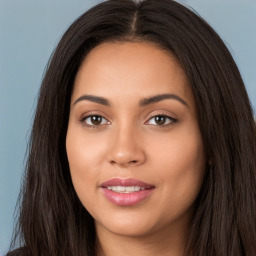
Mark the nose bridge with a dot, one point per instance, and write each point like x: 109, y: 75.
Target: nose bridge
x: 126, y: 149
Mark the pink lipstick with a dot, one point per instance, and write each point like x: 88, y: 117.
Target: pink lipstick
x: 126, y: 192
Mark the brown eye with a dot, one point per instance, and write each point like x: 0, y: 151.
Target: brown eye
x: 161, y: 120
x: 94, y: 120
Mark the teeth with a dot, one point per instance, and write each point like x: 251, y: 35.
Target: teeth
x: 121, y: 189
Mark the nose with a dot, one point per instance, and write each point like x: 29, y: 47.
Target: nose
x: 126, y: 149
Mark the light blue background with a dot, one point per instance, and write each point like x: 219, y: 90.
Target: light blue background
x: 29, y: 31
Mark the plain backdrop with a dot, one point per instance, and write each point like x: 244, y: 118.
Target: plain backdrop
x: 30, y: 30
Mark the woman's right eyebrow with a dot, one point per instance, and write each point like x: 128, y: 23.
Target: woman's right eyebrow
x: 93, y: 98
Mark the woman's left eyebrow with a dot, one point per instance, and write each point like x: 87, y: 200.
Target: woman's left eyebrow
x: 160, y: 97
x: 142, y: 103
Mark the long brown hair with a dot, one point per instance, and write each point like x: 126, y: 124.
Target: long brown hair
x: 53, y: 221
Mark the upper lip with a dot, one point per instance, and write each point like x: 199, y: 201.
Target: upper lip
x: 126, y: 182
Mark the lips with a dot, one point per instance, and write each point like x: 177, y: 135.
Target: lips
x: 126, y: 192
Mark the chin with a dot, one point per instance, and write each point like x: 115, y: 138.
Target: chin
x: 128, y: 224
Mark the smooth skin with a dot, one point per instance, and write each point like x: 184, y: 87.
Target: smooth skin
x: 125, y: 135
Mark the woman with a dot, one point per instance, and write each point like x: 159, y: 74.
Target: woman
x: 143, y: 141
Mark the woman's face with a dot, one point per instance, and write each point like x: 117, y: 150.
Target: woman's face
x: 133, y: 143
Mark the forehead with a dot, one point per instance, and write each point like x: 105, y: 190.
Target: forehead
x: 133, y: 69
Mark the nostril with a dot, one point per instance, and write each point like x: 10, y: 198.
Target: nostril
x: 129, y: 162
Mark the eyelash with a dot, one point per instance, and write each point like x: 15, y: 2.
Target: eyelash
x: 171, y: 120
x: 93, y: 126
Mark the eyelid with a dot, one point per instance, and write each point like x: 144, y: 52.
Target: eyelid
x: 166, y: 114
x: 90, y: 114
x: 171, y: 121
x: 162, y: 112
x: 93, y: 113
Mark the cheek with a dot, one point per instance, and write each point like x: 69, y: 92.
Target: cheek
x: 180, y: 151
x: 180, y: 162
x: 84, y: 156
x: 85, y: 152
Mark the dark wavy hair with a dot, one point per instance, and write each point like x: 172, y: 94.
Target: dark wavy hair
x: 52, y: 220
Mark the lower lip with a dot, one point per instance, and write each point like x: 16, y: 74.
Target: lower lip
x: 126, y: 199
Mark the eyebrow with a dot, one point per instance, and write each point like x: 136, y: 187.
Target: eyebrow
x: 142, y: 103
x: 157, y: 98
x: 93, y: 98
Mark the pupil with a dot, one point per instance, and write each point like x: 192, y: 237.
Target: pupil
x: 160, y: 120
x: 96, y: 120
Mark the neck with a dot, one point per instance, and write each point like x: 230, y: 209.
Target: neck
x: 165, y: 243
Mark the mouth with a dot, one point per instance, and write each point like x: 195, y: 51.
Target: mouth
x: 126, y: 192
x: 129, y: 189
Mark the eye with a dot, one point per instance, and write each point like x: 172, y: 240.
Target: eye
x: 161, y: 120
x: 94, y: 120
